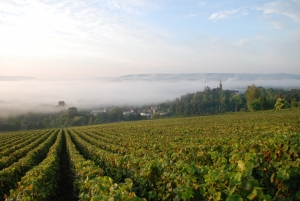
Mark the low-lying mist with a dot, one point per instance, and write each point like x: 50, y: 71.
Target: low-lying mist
x: 43, y: 95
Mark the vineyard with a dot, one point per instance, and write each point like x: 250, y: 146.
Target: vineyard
x: 242, y: 156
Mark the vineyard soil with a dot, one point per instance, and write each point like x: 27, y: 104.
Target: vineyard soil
x: 65, y: 187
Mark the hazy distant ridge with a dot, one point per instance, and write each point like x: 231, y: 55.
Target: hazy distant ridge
x: 202, y: 77
x: 16, y: 78
x: 206, y: 77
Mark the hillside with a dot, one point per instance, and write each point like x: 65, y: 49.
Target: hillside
x: 237, y: 156
x: 203, y: 77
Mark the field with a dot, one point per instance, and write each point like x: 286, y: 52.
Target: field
x: 243, y: 156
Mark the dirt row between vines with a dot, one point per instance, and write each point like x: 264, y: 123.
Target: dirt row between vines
x: 65, y: 187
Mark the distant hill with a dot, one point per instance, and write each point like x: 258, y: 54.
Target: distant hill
x: 202, y: 77
x: 16, y: 78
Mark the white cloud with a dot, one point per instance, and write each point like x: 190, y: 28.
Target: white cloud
x: 114, y: 37
x: 104, y: 19
x: 289, y: 8
x: 228, y: 13
x: 242, y: 42
x: 112, y: 25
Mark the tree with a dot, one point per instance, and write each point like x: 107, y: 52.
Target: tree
x: 90, y: 122
x: 236, y: 100
x: 72, y: 112
x: 224, y: 100
x: 46, y: 122
x: 79, y: 121
x: 294, y: 102
x: 115, y: 114
x: 264, y: 102
x: 252, y: 93
x: 101, y: 118
x: 133, y: 117
x: 156, y: 116
x: 61, y: 103
x: 256, y: 105
x: 280, y: 95
x: 281, y: 103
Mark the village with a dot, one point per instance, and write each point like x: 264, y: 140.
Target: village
x: 144, y: 112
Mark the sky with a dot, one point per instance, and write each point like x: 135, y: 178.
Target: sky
x: 78, y: 39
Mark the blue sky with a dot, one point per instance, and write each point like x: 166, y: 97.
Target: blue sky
x: 71, y: 39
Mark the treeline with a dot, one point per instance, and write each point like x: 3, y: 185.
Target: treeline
x: 66, y: 118
x: 206, y: 102
x: 214, y: 101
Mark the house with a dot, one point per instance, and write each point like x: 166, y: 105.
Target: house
x: 95, y: 112
x: 146, y: 114
x: 127, y: 113
x: 234, y: 92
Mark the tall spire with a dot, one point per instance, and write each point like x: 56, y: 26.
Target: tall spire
x: 220, y: 84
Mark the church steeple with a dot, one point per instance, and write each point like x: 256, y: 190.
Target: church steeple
x: 220, y: 85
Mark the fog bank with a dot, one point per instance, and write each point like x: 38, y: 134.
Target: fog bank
x: 41, y: 95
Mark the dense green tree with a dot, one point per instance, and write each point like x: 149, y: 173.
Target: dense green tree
x: 79, y: 121
x: 236, y: 100
x: 115, y: 114
x: 281, y: 103
x: 72, y: 112
x: 293, y: 96
x: 294, y: 102
x: 256, y: 105
x: 264, y: 102
x: 210, y: 101
x: 252, y: 93
x: 46, y: 122
x: 101, y: 118
x: 90, y: 122
x: 133, y: 117
x: 11, y: 126
x: 281, y: 95
x: 270, y: 92
x: 224, y: 100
